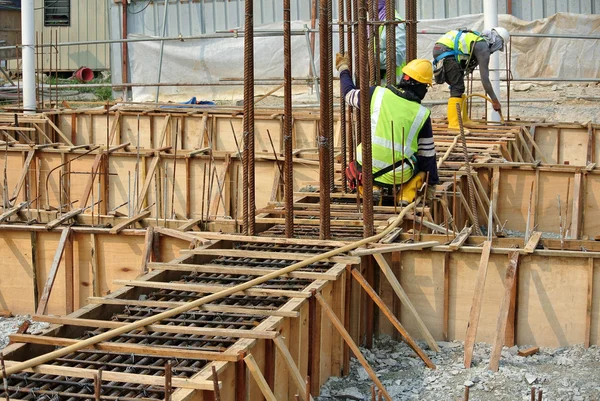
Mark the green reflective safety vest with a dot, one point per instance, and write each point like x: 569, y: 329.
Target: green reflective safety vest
x: 465, y: 42
x: 400, y: 46
x: 408, y: 117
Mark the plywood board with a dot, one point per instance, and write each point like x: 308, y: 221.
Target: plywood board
x: 547, y: 140
x: 573, y: 146
x: 595, y: 323
x: 262, y: 143
x: 80, y: 172
x: 14, y: 163
x: 47, y: 244
x: 225, y: 141
x: 170, y: 248
x: 176, y: 174
x: 552, y: 301
x: 129, y: 131
x: 119, y: 257
x: 16, y: 280
x: 591, y: 207
x: 197, y: 182
x: 122, y: 175
x: 551, y: 185
x: 422, y: 277
x: 305, y: 134
x: 513, y: 198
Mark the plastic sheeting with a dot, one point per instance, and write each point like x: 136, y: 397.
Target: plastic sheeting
x: 211, y: 60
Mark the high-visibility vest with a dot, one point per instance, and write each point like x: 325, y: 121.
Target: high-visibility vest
x: 408, y: 118
x: 465, y: 41
x: 400, y: 46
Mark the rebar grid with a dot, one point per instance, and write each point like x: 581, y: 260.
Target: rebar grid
x: 306, y: 231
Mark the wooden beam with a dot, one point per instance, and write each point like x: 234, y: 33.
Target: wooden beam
x: 12, y: 211
x: 161, y: 328
x: 24, y: 172
x: 147, y: 252
x: 577, y: 207
x: 539, y: 152
x: 528, y: 351
x: 259, y: 378
x: 194, y: 240
x: 211, y: 289
x: 476, y: 305
x: 121, y: 226
x: 589, y: 308
x: 64, y: 217
x: 390, y: 315
x: 128, y: 348
x: 346, y: 336
x: 147, y: 181
x: 395, y: 284
x: 446, y: 322
x: 270, y: 255
x: 118, y: 376
x: 43, y: 304
x: 208, y: 308
x: 534, y: 239
x: 509, y: 280
x: 58, y: 131
x: 460, y: 239
x: 394, y: 248
x: 190, y: 224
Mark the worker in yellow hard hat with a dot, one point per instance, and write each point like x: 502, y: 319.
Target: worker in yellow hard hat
x: 401, y: 132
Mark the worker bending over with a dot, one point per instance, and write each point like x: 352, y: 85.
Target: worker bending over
x: 401, y: 133
x: 457, y: 54
x: 400, y: 42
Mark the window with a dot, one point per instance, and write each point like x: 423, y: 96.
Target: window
x: 57, y: 12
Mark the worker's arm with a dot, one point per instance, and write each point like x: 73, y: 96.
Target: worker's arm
x: 426, y: 153
x: 481, y: 51
x: 349, y: 91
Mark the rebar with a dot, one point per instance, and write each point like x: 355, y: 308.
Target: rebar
x: 468, y: 171
x: 330, y: 97
x: 325, y: 116
x: 249, y: 204
x: 390, y: 44
x: 365, y: 122
x: 411, y: 30
x: 343, y: 109
x: 350, y: 133
x: 371, y: 36
x: 287, y: 122
x: 376, y: 44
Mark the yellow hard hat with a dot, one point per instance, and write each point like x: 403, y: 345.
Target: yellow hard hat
x: 420, y: 70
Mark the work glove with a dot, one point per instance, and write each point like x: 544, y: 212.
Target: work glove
x: 496, y: 105
x: 341, y: 62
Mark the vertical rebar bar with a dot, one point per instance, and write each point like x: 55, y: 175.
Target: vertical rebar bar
x: 168, y: 381
x: 376, y: 44
x: 349, y: 35
x: 249, y: 178
x: 411, y: 30
x: 357, y: 65
x: 365, y: 121
x: 390, y: 43
x: 325, y: 116
x: 371, y: 36
x: 330, y: 130
x: 287, y: 121
x: 343, y: 110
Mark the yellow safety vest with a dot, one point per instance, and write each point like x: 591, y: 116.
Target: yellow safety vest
x: 408, y: 118
x: 465, y: 42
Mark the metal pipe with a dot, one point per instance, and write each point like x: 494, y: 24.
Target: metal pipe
x: 490, y: 20
x: 162, y: 47
x: 27, y: 37
x: 323, y: 139
x: 365, y: 121
x: 287, y: 122
x: 124, y: 49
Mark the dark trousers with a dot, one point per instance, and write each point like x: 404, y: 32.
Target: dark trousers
x: 454, y: 73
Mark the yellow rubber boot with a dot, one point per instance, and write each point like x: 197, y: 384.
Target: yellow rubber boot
x: 452, y: 114
x: 465, y: 111
x: 410, y: 188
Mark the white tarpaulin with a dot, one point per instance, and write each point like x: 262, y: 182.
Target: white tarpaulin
x: 211, y: 60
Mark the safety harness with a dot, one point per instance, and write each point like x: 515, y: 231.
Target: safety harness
x: 354, y: 171
x: 456, y: 52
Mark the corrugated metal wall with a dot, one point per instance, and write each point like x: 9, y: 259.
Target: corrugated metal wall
x: 89, y: 21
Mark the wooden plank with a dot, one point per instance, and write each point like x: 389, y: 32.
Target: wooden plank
x: 390, y: 315
x: 394, y: 248
x: 69, y: 276
x: 62, y: 135
x: 160, y: 328
x: 270, y: 255
x: 147, y: 181
x: 446, y: 317
x: 268, y: 240
x: 243, y: 270
x: 590, y: 304
x: 509, y: 281
x: 194, y: 240
x: 43, y: 304
x: 260, y: 379
x: 476, y: 305
x: 340, y: 328
x: 211, y: 289
x: 539, y: 152
x: 534, y: 239
x: 292, y: 368
x: 128, y: 348
x: 528, y: 351
x: 121, y: 226
x: 147, y: 252
x: 208, y: 308
x: 96, y: 286
x: 389, y: 274
x: 12, y: 211
x: 108, y: 375
x: 577, y: 207
x: 64, y: 217
x: 460, y: 239
x: 23, y: 175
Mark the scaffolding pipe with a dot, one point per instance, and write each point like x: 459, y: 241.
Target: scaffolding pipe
x: 27, y: 39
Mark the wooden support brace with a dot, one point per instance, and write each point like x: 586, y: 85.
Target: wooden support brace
x: 461, y: 238
x: 90, y: 182
x: 12, y: 211
x: 43, y: 304
x: 24, y: 172
x: 355, y: 350
x: 192, y: 239
x: 534, y: 239
x: 58, y: 131
x: 291, y: 365
x: 147, y: 252
x: 476, y: 305
x: 147, y: 181
x: 260, y: 379
x: 509, y: 279
x: 395, y: 284
x: 121, y: 226
x: 190, y: 224
x: 390, y: 315
x: 394, y: 248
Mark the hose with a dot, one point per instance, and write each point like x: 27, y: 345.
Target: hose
x: 199, y: 302
x: 464, y: 103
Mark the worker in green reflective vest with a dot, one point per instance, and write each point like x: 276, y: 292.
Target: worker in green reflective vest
x: 403, y: 152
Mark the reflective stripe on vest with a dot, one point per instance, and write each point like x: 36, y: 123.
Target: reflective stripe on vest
x: 385, y: 106
x: 465, y: 41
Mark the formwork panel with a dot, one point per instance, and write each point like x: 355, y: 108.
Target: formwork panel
x: 552, y: 185
x: 591, y: 217
x: 513, y: 198
x: 16, y: 283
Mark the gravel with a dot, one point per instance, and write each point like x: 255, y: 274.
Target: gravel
x: 564, y: 374
x: 9, y: 325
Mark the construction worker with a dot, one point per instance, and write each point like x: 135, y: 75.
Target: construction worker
x: 401, y: 132
x: 400, y: 42
x: 457, y: 54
